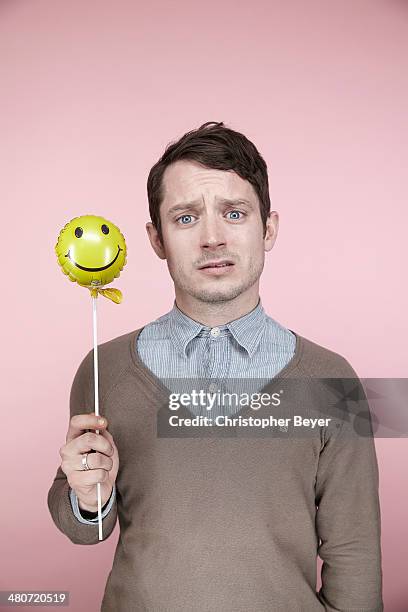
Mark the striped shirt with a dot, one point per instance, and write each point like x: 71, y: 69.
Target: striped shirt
x: 183, y: 352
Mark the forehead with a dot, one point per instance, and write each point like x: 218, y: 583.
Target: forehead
x: 186, y: 179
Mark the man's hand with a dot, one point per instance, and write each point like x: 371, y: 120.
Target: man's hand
x: 104, y: 463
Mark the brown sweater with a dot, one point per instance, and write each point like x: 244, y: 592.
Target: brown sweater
x: 232, y: 522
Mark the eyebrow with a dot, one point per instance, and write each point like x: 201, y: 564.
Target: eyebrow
x: 196, y: 204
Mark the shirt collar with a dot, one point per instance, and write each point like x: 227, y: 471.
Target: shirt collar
x: 247, y: 330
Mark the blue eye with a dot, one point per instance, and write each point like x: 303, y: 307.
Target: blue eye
x: 184, y: 217
x: 235, y: 212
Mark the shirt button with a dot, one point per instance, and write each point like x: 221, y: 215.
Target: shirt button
x: 212, y: 387
x: 215, y: 332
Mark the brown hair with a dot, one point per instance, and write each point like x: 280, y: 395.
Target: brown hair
x: 214, y: 146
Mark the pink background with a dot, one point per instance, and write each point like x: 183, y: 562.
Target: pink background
x: 91, y: 92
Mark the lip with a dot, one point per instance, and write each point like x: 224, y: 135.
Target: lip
x: 214, y: 267
x: 216, y: 262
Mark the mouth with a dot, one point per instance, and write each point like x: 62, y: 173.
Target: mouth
x: 94, y: 269
x: 217, y: 267
x: 216, y: 264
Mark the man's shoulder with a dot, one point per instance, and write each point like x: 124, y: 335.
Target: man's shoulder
x: 118, y: 343
x: 114, y: 359
x: 320, y: 361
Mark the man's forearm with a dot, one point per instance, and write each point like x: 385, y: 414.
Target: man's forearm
x: 348, y: 522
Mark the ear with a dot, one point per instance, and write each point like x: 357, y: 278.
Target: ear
x: 272, y: 226
x: 155, y: 240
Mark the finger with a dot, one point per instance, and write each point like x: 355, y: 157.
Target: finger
x: 95, y: 461
x: 81, y: 422
x: 92, y: 441
x: 78, y: 479
x: 107, y: 433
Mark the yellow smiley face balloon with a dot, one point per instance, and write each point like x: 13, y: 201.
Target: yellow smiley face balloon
x: 91, y: 250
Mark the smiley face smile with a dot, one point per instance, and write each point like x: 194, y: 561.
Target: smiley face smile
x: 94, y: 269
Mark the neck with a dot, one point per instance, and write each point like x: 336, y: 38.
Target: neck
x: 217, y: 313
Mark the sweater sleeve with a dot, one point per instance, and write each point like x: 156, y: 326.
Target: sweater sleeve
x: 90, y: 518
x: 59, y: 498
x: 348, y: 521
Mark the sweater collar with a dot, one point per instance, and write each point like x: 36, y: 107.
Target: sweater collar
x: 246, y: 330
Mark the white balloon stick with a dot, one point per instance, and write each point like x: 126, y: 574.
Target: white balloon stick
x: 95, y: 353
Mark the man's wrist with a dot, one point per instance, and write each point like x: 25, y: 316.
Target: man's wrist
x: 88, y: 515
x: 87, y: 508
x: 93, y: 509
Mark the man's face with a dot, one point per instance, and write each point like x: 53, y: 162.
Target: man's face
x: 211, y: 217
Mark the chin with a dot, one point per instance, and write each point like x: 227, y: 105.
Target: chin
x: 212, y: 296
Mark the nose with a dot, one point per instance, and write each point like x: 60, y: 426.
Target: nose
x: 212, y: 233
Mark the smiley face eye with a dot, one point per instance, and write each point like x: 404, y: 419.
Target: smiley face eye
x: 105, y: 229
x: 78, y: 232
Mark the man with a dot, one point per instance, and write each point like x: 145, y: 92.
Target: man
x: 215, y: 518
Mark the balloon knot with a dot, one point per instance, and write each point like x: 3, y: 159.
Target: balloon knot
x: 115, y: 295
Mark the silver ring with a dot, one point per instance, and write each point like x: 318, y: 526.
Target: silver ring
x: 85, y: 461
